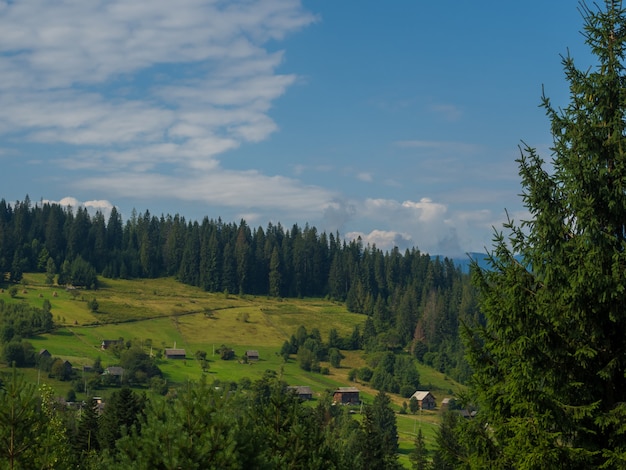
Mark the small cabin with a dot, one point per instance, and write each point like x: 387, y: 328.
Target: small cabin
x: 174, y: 353
x: 107, y: 343
x: 44, y: 353
x: 302, y: 391
x: 425, y: 399
x: 115, y: 371
x: 346, y: 396
x: 252, y: 355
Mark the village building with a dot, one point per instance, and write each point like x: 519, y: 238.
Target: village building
x: 346, y: 396
x: 304, y: 392
x: 107, y: 343
x: 175, y: 353
x: 115, y: 371
x: 252, y: 355
x: 425, y: 399
x: 44, y: 353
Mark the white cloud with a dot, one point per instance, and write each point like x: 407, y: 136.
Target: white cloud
x: 428, y: 224
x: 144, y: 81
x: 92, y: 207
x: 424, y: 210
x: 219, y: 188
x: 383, y: 239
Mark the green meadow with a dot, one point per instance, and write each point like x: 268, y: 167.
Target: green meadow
x: 163, y: 313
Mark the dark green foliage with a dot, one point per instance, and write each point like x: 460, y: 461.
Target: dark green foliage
x: 13, y: 291
x: 19, y: 352
x: 379, y: 448
x: 23, y: 320
x: 93, y: 305
x: 60, y: 369
x: 85, y: 439
x: 550, y: 362
x: 419, y: 455
x: 335, y: 357
x: 392, y: 288
x: 219, y: 426
x: 365, y: 373
x: 82, y: 274
x: 138, y: 366
x: 307, y: 360
x: 194, y: 431
x: 226, y: 353
x: 97, y: 365
x: 21, y: 421
x: 286, y: 350
x: 394, y: 373
x: 124, y: 411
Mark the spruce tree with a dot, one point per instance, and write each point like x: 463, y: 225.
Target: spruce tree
x: 380, y: 445
x: 21, y: 423
x: 550, y: 360
x: 124, y: 410
x: 419, y: 455
x: 85, y: 441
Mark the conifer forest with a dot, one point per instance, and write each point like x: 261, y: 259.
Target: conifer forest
x: 537, y: 338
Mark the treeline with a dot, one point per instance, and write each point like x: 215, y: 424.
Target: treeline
x: 412, y: 300
x: 260, y: 425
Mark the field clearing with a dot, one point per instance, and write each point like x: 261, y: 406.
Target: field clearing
x: 408, y: 426
x: 163, y: 313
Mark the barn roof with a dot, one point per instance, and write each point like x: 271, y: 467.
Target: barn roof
x: 421, y: 394
x: 174, y: 352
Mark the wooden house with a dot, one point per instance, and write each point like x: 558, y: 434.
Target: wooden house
x: 425, y: 399
x: 44, y: 353
x: 174, y: 353
x: 252, y: 355
x: 346, y: 396
x: 304, y: 392
x: 107, y: 343
x: 115, y: 371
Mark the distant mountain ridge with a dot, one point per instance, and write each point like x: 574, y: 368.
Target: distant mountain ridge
x: 465, y: 261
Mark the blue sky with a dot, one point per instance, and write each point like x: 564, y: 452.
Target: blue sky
x: 395, y: 121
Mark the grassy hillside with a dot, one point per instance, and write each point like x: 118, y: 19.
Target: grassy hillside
x: 163, y: 313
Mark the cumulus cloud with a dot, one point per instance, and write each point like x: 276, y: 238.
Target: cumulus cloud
x: 92, y: 207
x: 337, y: 214
x: 428, y: 224
x: 383, y: 239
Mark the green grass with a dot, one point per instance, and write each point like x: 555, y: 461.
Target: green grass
x: 408, y: 426
x: 161, y: 313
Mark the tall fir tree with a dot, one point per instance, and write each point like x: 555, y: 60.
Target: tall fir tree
x: 85, y: 441
x: 550, y: 360
x: 21, y: 423
x: 380, y: 444
x: 419, y: 455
